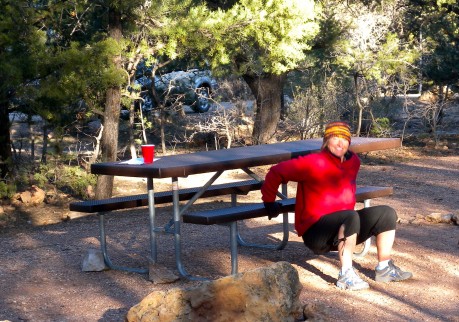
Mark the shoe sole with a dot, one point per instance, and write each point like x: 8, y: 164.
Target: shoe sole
x: 391, y: 279
x: 344, y: 286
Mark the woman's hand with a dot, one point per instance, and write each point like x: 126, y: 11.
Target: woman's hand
x: 273, y: 209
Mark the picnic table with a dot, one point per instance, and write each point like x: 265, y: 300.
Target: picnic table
x: 217, y: 162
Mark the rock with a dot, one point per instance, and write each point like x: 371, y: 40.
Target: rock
x: 51, y: 197
x: 54, y: 197
x: 25, y: 197
x: 402, y: 221
x: 70, y: 215
x: 417, y: 220
x: 264, y: 294
x: 94, y: 261
x: 315, y: 312
x: 90, y: 193
x: 160, y: 275
x: 33, y: 196
x: 38, y: 195
x: 8, y: 208
x: 439, y: 218
x: 455, y: 219
x: 431, y: 144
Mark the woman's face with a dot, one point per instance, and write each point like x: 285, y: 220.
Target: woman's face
x: 338, y: 146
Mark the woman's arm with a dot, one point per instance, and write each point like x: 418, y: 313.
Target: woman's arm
x: 291, y: 170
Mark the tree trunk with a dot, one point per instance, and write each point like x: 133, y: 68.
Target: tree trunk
x: 109, y: 142
x: 359, y: 104
x: 44, y: 150
x: 5, y: 140
x: 162, y: 125
x: 131, y: 131
x: 267, y: 90
x: 32, y: 137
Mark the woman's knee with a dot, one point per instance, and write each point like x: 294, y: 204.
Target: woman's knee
x: 390, y: 213
x: 351, y: 224
x: 388, y: 219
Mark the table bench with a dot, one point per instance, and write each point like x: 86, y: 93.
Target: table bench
x: 231, y: 215
x: 103, y: 206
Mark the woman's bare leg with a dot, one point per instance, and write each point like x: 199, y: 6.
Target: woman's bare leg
x: 384, y: 243
x: 346, y: 248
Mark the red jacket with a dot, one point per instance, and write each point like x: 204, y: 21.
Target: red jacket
x: 325, y: 185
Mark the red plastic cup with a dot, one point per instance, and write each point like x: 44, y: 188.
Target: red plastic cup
x: 148, y: 153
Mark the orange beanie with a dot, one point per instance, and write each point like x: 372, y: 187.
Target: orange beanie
x: 338, y: 129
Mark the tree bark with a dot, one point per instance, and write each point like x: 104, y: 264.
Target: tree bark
x: 267, y: 90
x: 109, y: 142
x: 5, y: 140
x: 162, y: 120
x: 359, y: 104
x: 45, y: 143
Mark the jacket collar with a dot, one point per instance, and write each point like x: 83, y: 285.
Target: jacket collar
x: 347, y: 156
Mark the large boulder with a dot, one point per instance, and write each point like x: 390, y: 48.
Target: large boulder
x: 264, y: 294
x: 33, y: 196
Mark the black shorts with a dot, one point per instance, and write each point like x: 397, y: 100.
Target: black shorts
x: 322, y: 237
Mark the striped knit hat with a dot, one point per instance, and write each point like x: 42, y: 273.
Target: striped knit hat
x: 338, y: 129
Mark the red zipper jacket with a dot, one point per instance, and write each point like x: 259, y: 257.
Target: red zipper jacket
x: 325, y: 185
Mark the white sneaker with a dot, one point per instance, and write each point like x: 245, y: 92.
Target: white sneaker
x: 349, y: 280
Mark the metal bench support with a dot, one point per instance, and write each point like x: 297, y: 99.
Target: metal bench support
x: 366, y: 243
x: 103, y: 246
x: 285, y: 229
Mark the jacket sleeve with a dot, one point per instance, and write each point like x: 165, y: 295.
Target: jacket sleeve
x: 282, y: 173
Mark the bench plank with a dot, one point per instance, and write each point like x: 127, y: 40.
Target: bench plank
x: 118, y: 203
x: 255, y: 210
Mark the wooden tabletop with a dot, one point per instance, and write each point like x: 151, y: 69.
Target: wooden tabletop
x: 182, y: 165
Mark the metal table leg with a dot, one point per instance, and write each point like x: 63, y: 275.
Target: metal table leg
x: 107, y: 260
x: 152, y: 217
x: 367, y: 243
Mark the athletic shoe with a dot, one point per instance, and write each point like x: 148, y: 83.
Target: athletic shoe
x: 391, y: 274
x: 349, y: 280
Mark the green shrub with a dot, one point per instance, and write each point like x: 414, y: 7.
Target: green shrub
x: 381, y: 127
x: 7, y: 190
x: 77, y: 180
x: 44, y: 175
x: 70, y: 179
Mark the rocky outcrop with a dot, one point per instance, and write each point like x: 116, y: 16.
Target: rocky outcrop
x: 438, y: 218
x: 435, y: 218
x: 265, y: 294
x: 33, y: 196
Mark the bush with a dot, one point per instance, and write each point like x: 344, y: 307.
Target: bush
x: 70, y: 179
x: 7, y: 190
x: 309, y: 111
x: 381, y: 127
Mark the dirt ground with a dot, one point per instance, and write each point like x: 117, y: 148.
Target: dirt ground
x: 41, y: 277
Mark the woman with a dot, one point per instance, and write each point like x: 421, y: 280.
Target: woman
x: 324, y: 211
